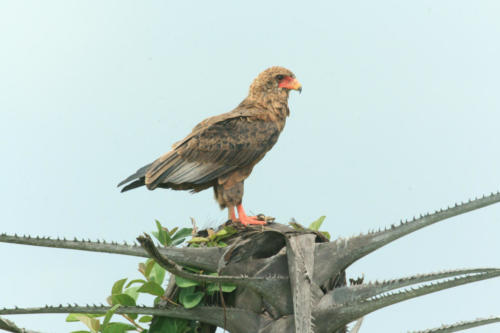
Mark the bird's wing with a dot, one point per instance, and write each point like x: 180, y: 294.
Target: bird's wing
x: 216, y: 146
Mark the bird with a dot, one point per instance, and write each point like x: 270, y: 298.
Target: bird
x: 221, y: 151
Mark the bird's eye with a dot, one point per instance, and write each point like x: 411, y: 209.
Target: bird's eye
x: 279, y: 77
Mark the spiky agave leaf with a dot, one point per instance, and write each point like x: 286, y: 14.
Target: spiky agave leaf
x: 206, y: 258
x: 341, y: 253
x: 460, y: 326
x: 336, y: 315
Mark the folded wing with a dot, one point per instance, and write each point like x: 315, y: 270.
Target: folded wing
x: 215, y: 148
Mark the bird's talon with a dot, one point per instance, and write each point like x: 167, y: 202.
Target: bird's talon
x: 250, y: 220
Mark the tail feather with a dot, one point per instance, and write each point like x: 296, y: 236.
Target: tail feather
x: 131, y: 186
x: 138, y: 174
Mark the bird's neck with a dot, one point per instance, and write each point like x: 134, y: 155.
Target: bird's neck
x: 276, y: 103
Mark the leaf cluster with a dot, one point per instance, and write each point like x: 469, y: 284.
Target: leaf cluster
x: 191, y: 293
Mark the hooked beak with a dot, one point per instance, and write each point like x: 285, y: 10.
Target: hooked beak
x: 290, y: 83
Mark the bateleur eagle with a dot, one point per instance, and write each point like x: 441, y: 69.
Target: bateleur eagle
x: 221, y: 151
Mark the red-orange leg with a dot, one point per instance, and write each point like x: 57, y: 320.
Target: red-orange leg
x: 246, y: 220
x: 231, y: 214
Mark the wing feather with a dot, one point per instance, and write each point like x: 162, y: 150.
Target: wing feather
x: 212, y: 150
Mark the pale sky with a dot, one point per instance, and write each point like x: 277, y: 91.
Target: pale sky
x: 399, y: 116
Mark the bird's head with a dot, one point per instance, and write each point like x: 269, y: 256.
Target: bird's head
x: 274, y: 81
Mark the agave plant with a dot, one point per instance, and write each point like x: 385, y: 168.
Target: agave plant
x: 274, y: 278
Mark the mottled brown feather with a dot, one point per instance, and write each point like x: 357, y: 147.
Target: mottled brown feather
x: 221, y: 151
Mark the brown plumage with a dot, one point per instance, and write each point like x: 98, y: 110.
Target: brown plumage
x: 221, y: 151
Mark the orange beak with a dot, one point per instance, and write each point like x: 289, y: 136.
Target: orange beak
x: 291, y: 83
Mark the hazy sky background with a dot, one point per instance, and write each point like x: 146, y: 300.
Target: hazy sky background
x: 399, y: 116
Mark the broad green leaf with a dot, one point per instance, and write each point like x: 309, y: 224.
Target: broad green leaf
x: 73, y: 316
x: 169, y: 325
x: 177, y: 241
x: 118, y: 286
x: 224, y: 233
x: 171, y: 232
x: 149, y: 266
x: 198, y: 240
x: 118, y: 328
x: 92, y: 323
x: 132, y: 292
x: 145, y: 319
x: 135, y: 281
x: 185, y: 283
x: 163, y: 236
x: 183, y: 233
x: 317, y: 224
x: 326, y: 234
x: 110, y: 314
x: 152, y: 288
x: 123, y: 299
x: 128, y: 298
x: 221, y: 244
x: 157, y: 274
x: 226, y: 287
x: 190, y: 298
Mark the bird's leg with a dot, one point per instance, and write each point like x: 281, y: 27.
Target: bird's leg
x: 246, y: 220
x: 231, y: 215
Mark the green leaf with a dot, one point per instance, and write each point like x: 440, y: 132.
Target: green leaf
x: 132, y: 292
x: 110, y: 314
x: 135, y: 281
x: 118, y: 328
x: 171, y: 232
x: 128, y: 298
x: 185, y: 283
x: 123, y: 299
x: 224, y: 233
x: 149, y: 266
x: 177, y: 241
x: 198, y: 240
x: 145, y: 319
x: 317, y: 224
x: 221, y: 244
x: 92, y: 323
x: 326, y: 234
x: 73, y: 316
x: 169, y: 325
x: 118, y: 287
x: 183, y: 233
x: 226, y: 287
x: 152, y: 288
x: 157, y: 274
x: 190, y: 298
x: 162, y: 235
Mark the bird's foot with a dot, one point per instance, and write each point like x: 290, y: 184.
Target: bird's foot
x: 250, y: 220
